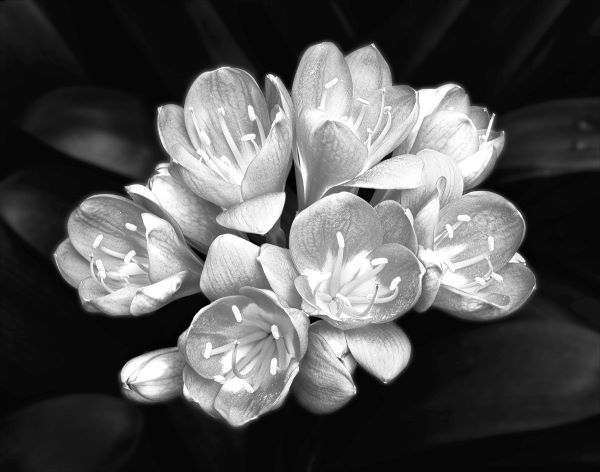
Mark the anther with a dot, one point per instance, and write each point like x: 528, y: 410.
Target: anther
x: 340, y: 239
x: 237, y: 313
x: 131, y: 226
x: 273, y: 367
x: 497, y: 277
x: 207, y: 350
x: 379, y: 261
x: 480, y: 280
x: 464, y: 218
x: 331, y: 83
x: 248, y: 137
x: 129, y: 256
x: 221, y: 110
x: 219, y: 378
x: 101, y: 269
x: 491, y: 243
x: 97, y: 241
x: 248, y: 387
x: 395, y: 282
x: 450, y: 231
x: 362, y: 100
x: 275, y: 332
x: 251, y: 113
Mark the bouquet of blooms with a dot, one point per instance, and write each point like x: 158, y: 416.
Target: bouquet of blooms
x: 304, y: 285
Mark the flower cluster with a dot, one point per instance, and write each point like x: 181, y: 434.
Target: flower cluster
x: 297, y: 307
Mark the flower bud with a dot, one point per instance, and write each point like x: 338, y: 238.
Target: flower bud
x: 154, y: 376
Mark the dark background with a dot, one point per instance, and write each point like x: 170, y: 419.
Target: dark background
x: 79, y: 83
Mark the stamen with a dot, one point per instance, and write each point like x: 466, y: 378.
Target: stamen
x: 497, y: 277
x: 379, y: 118
x: 491, y: 243
x: 237, y: 313
x: 129, y: 256
x: 275, y: 331
x: 251, y: 338
x: 340, y: 239
x: 386, y: 128
x: 195, y: 122
x: 464, y: 218
x: 450, y: 231
x: 450, y: 265
x: 131, y: 226
x: 470, y: 261
x: 97, y: 241
x: 366, y: 311
x: 101, y: 269
x: 489, y: 128
x: 337, y: 268
x: 331, y: 83
x: 273, y: 367
x: 230, y: 142
x: 363, y: 101
x: 480, y: 280
x: 395, y: 282
x: 368, y: 275
x: 207, y: 350
x: 253, y: 117
x: 379, y: 261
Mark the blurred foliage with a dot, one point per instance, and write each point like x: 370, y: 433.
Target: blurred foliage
x: 78, y: 85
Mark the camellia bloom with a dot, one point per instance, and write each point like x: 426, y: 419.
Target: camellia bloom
x: 469, y: 247
x: 154, y: 376
x: 349, y: 117
x: 353, y: 272
x: 172, y: 200
x: 449, y: 124
x: 123, y: 260
x: 242, y: 353
x: 232, y: 148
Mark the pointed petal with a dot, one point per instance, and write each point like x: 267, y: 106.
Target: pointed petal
x: 491, y: 215
x: 71, y: 265
x: 154, y: 376
x: 369, y: 71
x: 397, y: 226
x: 269, y: 169
x: 320, y: 66
x: 280, y: 271
x: 480, y: 116
x: 301, y: 323
x: 455, y: 99
x: 152, y: 297
x: 171, y: 129
x: 95, y: 298
x: 382, y: 350
x: 222, y: 96
x: 277, y: 94
x: 399, y: 172
x: 331, y: 153
x: 257, y: 215
x: 313, y: 234
x: 430, y: 287
x: 231, y: 263
x: 167, y: 253
x: 495, y: 300
x: 479, y: 165
x: 427, y: 218
x: 323, y: 384
x: 449, y: 132
x: 200, y: 391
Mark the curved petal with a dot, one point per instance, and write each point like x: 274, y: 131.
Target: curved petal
x: 382, y: 350
x: 449, y: 132
x: 277, y: 94
x: 171, y: 129
x: 217, y: 104
x: 280, y: 271
x: 268, y: 170
x: 427, y: 218
x: 301, y: 323
x: 167, y: 252
x: 397, y: 226
x: 142, y: 195
x: 455, y: 99
x: 431, y: 285
x: 70, y: 264
x: 323, y: 384
x: 480, y: 116
x: 490, y: 216
x: 96, y: 298
x: 200, y: 391
x: 478, y: 166
x: 496, y: 300
x: 369, y: 71
x: 231, y: 263
x: 331, y: 153
x: 257, y: 215
x: 313, y: 236
x: 152, y: 297
x: 399, y: 172
x: 107, y: 215
x: 323, y: 81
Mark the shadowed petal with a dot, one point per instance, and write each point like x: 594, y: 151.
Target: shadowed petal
x: 71, y: 265
x: 200, y: 391
x: 152, y: 297
x: 479, y: 165
x: 96, y: 298
x: 382, y: 350
x: 231, y: 263
x: 171, y: 129
x: 280, y: 271
x: 397, y: 226
x: 369, y: 71
x: 399, y: 172
x: 257, y: 215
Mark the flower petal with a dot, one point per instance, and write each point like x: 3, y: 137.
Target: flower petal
x: 280, y: 271
x: 449, y: 132
x: 71, y: 265
x: 200, y: 391
x: 491, y: 216
x: 478, y: 166
x: 96, y: 298
x: 152, y: 297
x: 277, y: 94
x: 219, y: 101
x: 480, y: 116
x: 495, y: 300
x: 301, y: 323
x: 323, y: 384
x: 431, y: 285
x: 399, y: 172
x: 382, y: 350
x: 257, y: 215
x: 321, y: 66
x: 231, y: 263
x: 171, y: 129
x: 269, y: 169
x: 313, y: 236
x: 397, y: 226
x: 427, y: 218
x: 167, y: 252
x: 369, y: 71
x: 330, y: 152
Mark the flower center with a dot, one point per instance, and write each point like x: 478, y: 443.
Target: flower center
x: 260, y: 352
x: 451, y: 265
x: 231, y: 170
x: 348, y: 292
x: 133, y: 270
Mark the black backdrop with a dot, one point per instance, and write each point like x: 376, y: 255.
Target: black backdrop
x: 79, y: 83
